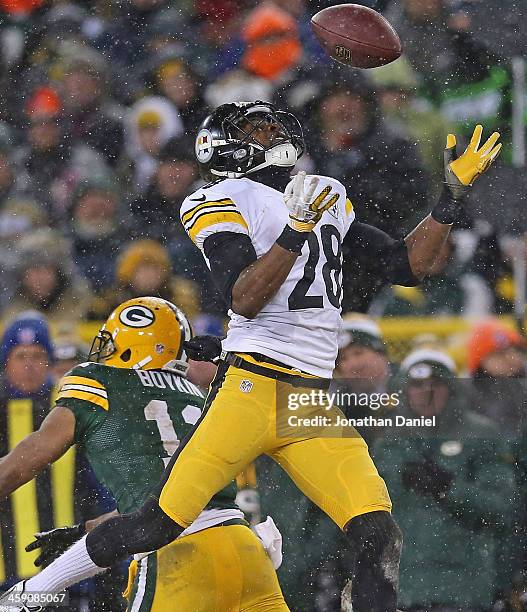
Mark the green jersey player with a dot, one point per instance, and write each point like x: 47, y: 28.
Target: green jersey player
x: 130, y: 410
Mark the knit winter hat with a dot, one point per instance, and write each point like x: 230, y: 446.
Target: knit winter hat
x: 490, y: 337
x: 359, y: 329
x: 427, y: 363
x: 28, y: 328
x: 139, y: 252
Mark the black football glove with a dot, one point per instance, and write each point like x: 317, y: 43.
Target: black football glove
x: 426, y: 478
x: 203, y: 348
x: 53, y: 543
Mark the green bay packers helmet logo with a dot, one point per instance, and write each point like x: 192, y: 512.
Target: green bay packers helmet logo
x: 204, y: 148
x: 137, y: 316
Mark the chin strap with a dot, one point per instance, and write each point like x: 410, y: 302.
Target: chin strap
x: 283, y: 155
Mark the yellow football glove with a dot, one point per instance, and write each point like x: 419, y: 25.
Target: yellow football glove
x: 462, y: 171
x: 305, y: 209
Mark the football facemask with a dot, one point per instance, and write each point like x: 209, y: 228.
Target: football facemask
x: 240, y: 139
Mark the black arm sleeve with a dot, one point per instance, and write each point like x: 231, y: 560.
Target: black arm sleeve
x: 228, y: 253
x: 384, y: 258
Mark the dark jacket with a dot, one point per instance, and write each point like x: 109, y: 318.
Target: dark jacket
x: 452, y: 542
x: 387, y: 184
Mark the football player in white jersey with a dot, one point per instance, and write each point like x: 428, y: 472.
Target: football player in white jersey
x: 276, y: 258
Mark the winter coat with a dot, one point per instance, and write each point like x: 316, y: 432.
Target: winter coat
x: 452, y: 545
x: 70, y: 300
x: 387, y: 184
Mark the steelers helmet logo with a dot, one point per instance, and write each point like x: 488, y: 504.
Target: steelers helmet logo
x: 137, y: 316
x: 204, y: 149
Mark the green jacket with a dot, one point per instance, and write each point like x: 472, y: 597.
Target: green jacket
x: 452, y: 551
x: 312, y: 544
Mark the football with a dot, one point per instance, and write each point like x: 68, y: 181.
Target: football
x: 356, y: 35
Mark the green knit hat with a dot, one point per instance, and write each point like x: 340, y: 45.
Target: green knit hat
x: 363, y: 331
x: 427, y: 363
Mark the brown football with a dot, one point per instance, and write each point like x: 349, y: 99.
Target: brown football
x: 356, y: 35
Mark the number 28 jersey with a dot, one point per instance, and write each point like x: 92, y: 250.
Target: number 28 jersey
x: 299, y: 326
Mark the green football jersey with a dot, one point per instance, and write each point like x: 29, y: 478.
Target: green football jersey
x: 129, y: 423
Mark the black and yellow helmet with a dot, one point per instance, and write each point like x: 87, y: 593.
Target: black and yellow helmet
x: 226, y: 147
x: 144, y: 333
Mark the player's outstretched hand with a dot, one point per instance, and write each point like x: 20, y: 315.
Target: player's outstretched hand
x: 53, y: 543
x: 462, y: 171
x: 203, y: 348
x: 305, y: 202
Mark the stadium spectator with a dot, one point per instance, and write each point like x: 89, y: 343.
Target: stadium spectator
x: 68, y: 351
x: 97, y: 229
x: 18, y: 217
x: 362, y: 366
x: 465, y: 79
x: 54, y: 163
x: 45, y: 280
x: 174, y: 77
x: 150, y: 124
x: 26, y: 355
x: 497, y: 362
x: 440, y: 293
x: 362, y: 352
x: 126, y: 39
x: 167, y: 32
x: 454, y: 488
x: 26, y: 385
x: 156, y: 213
x: 13, y: 182
x: 272, y: 51
x: 407, y: 115
x: 90, y: 116
x: 60, y: 495
x: 144, y: 268
x: 488, y: 277
x: 352, y: 144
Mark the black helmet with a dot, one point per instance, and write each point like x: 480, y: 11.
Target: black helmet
x: 225, y: 145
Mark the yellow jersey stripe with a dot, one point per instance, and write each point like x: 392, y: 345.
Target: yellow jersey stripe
x: 81, y: 380
x: 84, y: 395
x: 205, y: 211
x: 218, y: 203
x: 24, y: 499
x: 349, y: 206
x: 213, y: 218
x: 100, y: 392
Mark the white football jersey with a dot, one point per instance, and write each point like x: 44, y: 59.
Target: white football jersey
x: 299, y: 326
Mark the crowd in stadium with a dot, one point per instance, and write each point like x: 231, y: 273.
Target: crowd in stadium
x: 100, y: 104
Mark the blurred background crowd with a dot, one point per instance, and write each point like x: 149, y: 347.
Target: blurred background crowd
x: 100, y: 102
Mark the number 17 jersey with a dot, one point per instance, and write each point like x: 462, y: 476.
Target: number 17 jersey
x: 299, y: 326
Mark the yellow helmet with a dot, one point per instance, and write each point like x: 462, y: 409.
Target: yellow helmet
x: 145, y: 333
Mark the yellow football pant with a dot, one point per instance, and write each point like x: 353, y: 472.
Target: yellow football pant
x: 336, y: 473
x: 220, y: 569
